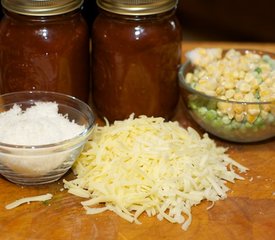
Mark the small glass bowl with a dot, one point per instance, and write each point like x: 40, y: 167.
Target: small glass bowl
x: 203, y: 110
x: 41, y: 164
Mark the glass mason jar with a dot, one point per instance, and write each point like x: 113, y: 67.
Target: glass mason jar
x: 136, y: 52
x: 44, y: 45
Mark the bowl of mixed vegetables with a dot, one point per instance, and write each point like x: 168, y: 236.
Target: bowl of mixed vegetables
x: 230, y: 93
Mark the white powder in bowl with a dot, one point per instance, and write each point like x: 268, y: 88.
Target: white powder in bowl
x: 37, y: 125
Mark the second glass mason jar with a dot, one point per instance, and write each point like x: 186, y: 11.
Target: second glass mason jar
x: 136, y: 52
x: 44, y: 45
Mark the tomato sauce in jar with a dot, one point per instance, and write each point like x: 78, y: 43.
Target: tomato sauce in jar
x: 135, y: 59
x: 44, y: 46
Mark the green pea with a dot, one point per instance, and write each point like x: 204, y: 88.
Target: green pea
x: 226, y: 120
x: 202, y: 110
x: 259, y: 121
x: 211, y: 115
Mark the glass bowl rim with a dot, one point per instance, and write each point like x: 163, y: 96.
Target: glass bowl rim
x: 59, y: 144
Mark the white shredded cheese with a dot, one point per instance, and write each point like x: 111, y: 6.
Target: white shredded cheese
x: 37, y: 125
x: 146, y: 165
x: 40, y: 198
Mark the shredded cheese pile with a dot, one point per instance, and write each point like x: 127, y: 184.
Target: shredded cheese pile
x: 148, y: 165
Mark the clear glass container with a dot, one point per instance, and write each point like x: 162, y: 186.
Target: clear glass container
x: 136, y: 51
x: 235, y: 122
x: 41, y: 164
x: 44, y: 45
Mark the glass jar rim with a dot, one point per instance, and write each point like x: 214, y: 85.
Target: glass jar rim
x: 41, y: 7
x: 137, y: 7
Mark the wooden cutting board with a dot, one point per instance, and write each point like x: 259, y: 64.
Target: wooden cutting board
x: 247, y: 213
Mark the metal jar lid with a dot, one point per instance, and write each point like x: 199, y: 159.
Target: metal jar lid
x: 137, y: 7
x: 41, y: 7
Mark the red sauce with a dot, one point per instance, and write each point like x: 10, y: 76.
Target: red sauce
x: 45, y: 53
x: 135, y: 63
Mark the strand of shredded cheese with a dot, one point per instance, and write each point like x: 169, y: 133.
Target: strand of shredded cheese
x: 40, y: 198
x: 148, y: 165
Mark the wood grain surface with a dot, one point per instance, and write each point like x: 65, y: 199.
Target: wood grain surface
x: 247, y: 213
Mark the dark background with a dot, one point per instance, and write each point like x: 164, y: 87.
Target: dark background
x: 232, y: 20
x: 218, y: 20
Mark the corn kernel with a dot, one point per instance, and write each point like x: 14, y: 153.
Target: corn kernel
x: 254, y: 84
x: 238, y: 96
x: 201, y: 74
x: 265, y: 67
x: 239, y: 117
x: 264, y: 114
x: 202, y: 51
x: 235, y: 74
x: 265, y: 94
x: 220, y: 113
x: 224, y: 107
x: 220, y: 90
x: 189, y: 77
x: 229, y: 93
x: 249, y: 97
x: 265, y: 74
x: 248, y: 77
x: 229, y: 84
x: 210, y: 92
x: 266, y: 107
x: 245, y: 87
x: 253, y: 110
x: 238, y: 108
x: 251, y: 118
x: 231, y: 114
x: 223, y: 97
x: 263, y: 91
x: 268, y: 81
x: 241, y: 74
